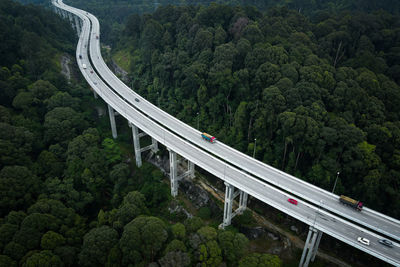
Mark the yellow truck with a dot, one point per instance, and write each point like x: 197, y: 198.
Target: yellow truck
x: 351, y: 202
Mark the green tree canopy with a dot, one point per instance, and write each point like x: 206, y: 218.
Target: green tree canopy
x: 96, y: 246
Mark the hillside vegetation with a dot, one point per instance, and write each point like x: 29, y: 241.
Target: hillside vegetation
x: 319, y: 96
x: 69, y: 196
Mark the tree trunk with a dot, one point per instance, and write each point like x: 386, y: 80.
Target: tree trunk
x: 297, y: 161
x: 249, y: 130
x: 339, y: 157
x: 319, y: 155
x: 284, y: 157
x: 337, y: 58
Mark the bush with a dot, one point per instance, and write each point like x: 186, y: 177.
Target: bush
x: 204, y: 213
x: 245, y: 219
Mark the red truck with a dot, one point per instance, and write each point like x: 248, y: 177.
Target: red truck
x: 351, y: 202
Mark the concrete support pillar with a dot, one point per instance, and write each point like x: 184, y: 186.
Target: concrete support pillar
x: 242, y: 201
x: 136, y: 145
x: 315, y: 250
x: 77, y: 25
x: 112, y: 121
x: 191, y: 169
x: 154, y: 145
x: 309, y: 246
x: 71, y: 20
x: 95, y: 94
x: 230, y: 195
x: 70, y: 17
x: 229, y: 190
x: 173, y: 173
x: 305, y: 247
x: 313, y: 240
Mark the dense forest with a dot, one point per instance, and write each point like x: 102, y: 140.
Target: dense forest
x: 321, y: 96
x: 319, y: 91
x: 70, y: 195
x: 113, y: 14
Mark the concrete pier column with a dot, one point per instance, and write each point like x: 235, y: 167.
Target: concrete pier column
x: 315, y: 250
x: 154, y: 146
x: 71, y: 20
x: 136, y: 145
x: 309, y: 246
x: 228, y: 205
x: 242, y: 201
x: 173, y: 173
x: 77, y: 25
x: 112, y: 121
x: 305, y: 246
x: 95, y: 94
x: 70, y: 17
x: 191, y: 169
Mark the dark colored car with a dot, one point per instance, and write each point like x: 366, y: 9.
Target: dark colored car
x: 293, y: 201
x: 80, y: 56
x: 386, y: 243
x: 137, y: 100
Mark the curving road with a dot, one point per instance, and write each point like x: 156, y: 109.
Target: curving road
x: 164, y: 129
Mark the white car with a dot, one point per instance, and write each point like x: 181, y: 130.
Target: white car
x: 363, y: 240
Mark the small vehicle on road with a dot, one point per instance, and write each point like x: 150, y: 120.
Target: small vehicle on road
x: 386, y: 243
x: 91, y: 71
x: 137, y: 100
x: 358, y: 205
x: 363, y: 240
x: 208, y: 137
x: 293, y: 201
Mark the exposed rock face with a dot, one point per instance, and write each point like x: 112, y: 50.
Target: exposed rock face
x: 294, y: 229
x: 100, y: 111
x: 197, y: 195
x: 252, y: 233
x: 119, y: 71
x: 286, y: 243
x: 65, y: 68
x: 273, y: 236
x: 174, y: 207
